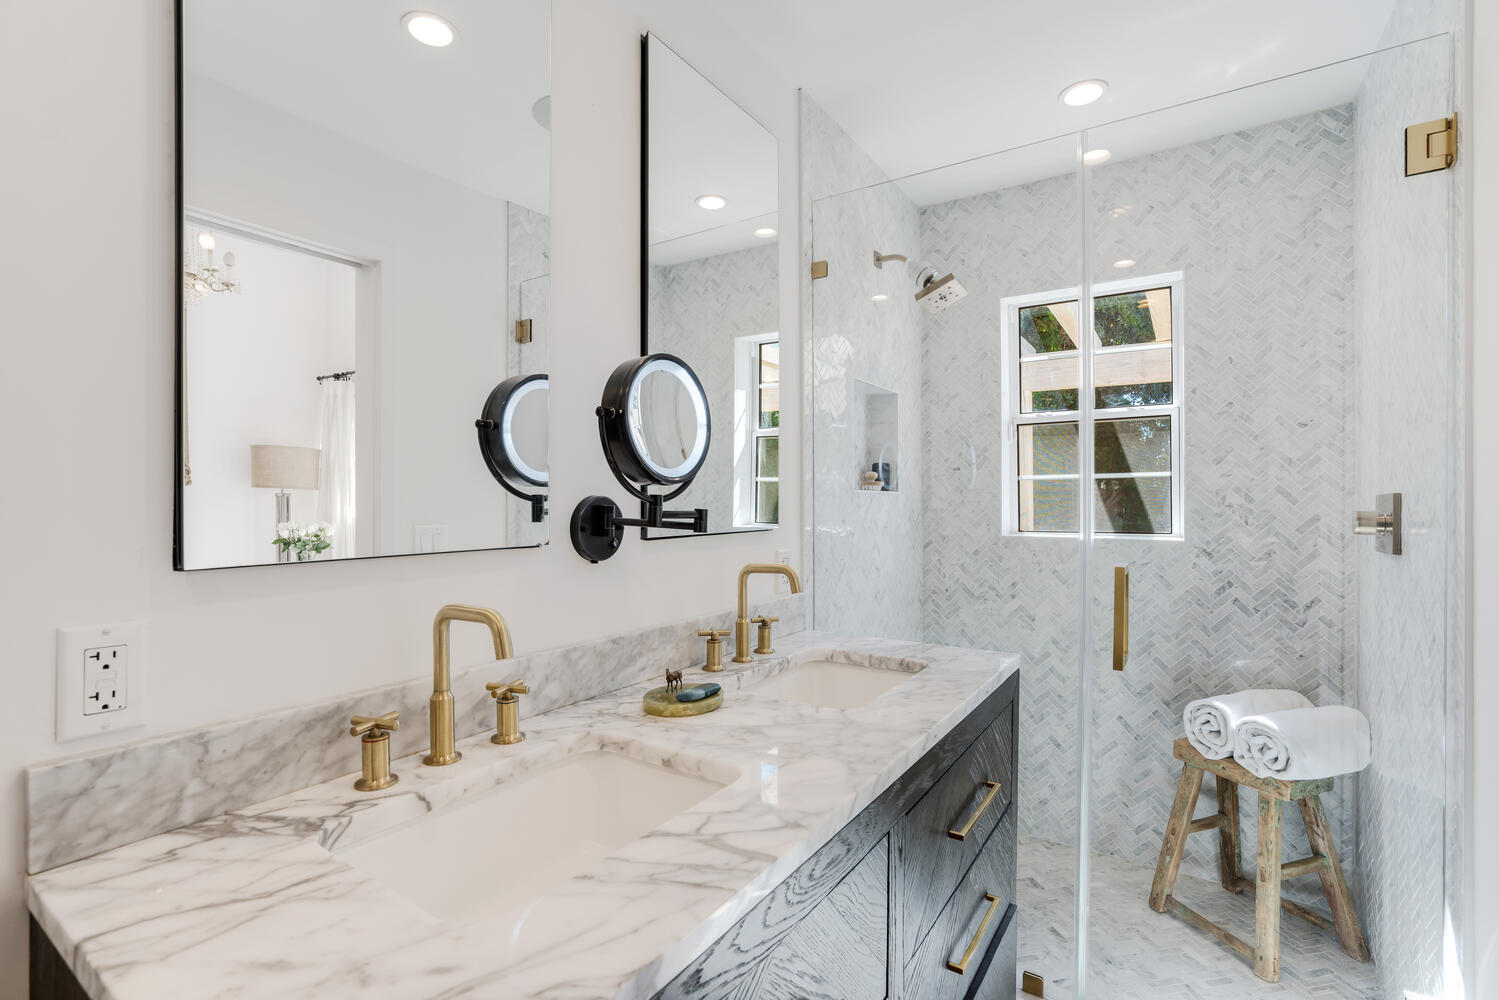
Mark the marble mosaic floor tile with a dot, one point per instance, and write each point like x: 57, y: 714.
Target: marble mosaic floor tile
x: 1143, y: 955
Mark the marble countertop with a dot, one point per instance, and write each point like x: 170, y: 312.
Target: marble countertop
x: 256, y: 903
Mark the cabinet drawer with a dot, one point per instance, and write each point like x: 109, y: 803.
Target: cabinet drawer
x: 932, y: 858
x: 977, y: 925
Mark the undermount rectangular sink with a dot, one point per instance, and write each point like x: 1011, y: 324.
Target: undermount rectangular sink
x: 832, y: 684
x: 505, y: 848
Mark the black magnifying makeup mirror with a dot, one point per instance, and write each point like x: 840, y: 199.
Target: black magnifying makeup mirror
x: 513, y: 438
x: 654, y: 426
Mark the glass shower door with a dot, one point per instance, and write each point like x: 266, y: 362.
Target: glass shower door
x: 941, y: 511
x: 1272, y: 349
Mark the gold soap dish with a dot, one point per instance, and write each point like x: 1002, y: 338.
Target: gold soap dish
x: 663, y: 701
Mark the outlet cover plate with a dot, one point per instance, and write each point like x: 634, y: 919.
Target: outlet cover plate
x: 123, y: 646
x: 783, y: 586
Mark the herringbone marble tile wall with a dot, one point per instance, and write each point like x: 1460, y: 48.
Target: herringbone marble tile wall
x: 528, y: 265
x: 1403, y: 337
x: 697, y: 309
x: 1261, y: 223
x: 866, y: 546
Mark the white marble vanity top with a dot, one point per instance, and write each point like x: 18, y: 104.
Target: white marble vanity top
x: 256, y: 903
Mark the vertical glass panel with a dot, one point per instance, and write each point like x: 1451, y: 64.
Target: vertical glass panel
x: 1047, y: 329
x: 768, y: 503
x: 1142, y: 317
x: 940, y: 559
x: 1272, y: 237
x: 1141, y: 444
x: 767, y: 457
x: 770, y: 363
x: 1133, y: 505
x: 1133, y: 378
x: 770, y: 406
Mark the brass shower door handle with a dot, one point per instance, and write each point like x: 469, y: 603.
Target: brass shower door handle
x: 1121, y: 616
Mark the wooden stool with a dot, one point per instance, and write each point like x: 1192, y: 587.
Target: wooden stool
x: 1269, y: 871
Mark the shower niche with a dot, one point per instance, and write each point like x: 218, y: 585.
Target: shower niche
x: 876, y: 438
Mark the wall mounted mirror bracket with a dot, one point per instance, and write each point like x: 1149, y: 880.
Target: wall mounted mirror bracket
x: 654, y: 428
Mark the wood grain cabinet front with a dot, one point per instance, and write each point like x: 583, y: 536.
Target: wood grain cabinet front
x: 893, y: 901
x: 946, y: 830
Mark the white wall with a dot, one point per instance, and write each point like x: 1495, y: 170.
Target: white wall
x: 88, y: 172
x: 253, y: 361
x: 1481, y: 147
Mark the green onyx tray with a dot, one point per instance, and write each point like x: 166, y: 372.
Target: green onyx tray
x: 662, y: 702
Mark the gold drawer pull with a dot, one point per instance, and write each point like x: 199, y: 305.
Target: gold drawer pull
x: 967, y: 828
x: 973, y: 946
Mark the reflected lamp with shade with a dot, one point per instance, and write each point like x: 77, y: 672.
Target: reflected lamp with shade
x: 283, y: 467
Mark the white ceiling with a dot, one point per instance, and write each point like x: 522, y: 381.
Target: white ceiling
x: 701, y: 142
x: 923, y: 85
x: 461, y: 112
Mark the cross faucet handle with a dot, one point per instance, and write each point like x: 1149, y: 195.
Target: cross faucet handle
x: 362, y: 725
x: 507, y: 690
x: 763, y: 620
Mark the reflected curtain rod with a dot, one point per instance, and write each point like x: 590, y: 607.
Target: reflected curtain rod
x: 337, y: 376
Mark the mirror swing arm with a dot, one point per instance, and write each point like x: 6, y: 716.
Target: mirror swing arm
x: 598, y: 523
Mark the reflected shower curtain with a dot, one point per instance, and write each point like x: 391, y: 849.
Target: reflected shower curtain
x: 335, y: 498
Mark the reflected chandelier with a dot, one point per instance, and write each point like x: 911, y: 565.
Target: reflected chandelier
x: 202, y: 275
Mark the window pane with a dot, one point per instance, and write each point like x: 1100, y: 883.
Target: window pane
x: 1047, y: 329
x: 1048, y: 384
x: 1048, y: 505
x: 770, y: 362
x: 1142, y: 444
x: 1133, y: 318
x: 1133, y: 506
x: 770, y: 406
x: 768, y: 503
x: 1132, y: 378
x: 1048, y: 449
x: 767, y: 457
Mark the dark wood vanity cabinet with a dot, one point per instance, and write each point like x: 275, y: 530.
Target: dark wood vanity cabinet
x: 896, y: 899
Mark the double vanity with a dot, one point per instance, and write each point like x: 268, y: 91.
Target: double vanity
x: 844, y: 826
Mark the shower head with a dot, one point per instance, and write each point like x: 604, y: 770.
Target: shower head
x: 937, y: 293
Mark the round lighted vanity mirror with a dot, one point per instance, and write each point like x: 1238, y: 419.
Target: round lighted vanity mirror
x: 666, y: 423
x: 513, y: 430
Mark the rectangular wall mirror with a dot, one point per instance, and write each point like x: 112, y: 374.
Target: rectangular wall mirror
x: 363, y: 227
x: 711, y: 282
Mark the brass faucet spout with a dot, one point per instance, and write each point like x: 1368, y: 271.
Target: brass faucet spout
x: 742, y: 623
x: 440, y: 706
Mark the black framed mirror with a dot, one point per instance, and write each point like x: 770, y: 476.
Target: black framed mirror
x: 359, y: 264
x: 656, y: 429
x: 710, y: 279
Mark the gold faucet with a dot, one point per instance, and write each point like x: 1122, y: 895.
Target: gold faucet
x: 440, y: 706
x: 742, y: 623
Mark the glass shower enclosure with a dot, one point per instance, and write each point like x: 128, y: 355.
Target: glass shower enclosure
x: 1121, y: 403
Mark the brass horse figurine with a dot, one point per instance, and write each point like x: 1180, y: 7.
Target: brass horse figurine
x: 673, y: 680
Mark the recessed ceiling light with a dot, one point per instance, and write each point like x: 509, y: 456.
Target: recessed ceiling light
x: 765, y: 232
x: 879, y: 297
x: 429, y: 29
x: 712, y: 202
x: 1122, y: 264
x: 1083, y: 92
x: 1094, y: 157
x: 1119, y: 212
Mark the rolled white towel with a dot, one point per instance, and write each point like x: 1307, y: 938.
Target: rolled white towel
x: 1210, y: 722
x: 1304, y: 744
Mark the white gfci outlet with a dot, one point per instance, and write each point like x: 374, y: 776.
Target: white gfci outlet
x: 100, y: 679
x: 783, y: 585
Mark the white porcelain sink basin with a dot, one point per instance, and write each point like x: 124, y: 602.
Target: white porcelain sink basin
x: 504, y: 848
x: 831, y: 684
